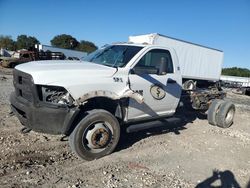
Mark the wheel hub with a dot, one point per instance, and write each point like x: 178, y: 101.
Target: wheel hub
x: 98, y: 137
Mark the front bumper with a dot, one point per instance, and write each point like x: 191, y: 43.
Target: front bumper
x: 35, y: 114
x: 43, y: 118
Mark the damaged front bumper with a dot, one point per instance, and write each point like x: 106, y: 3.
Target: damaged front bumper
x: 42, y: 117
x: 35, y: 113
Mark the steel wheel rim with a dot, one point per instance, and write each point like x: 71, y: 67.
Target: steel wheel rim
x: 97, y: 136
x: 229, y: 116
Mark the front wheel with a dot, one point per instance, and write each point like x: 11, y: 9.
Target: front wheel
x: 96, y: 135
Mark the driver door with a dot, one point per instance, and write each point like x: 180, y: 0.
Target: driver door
x: 161, y: 92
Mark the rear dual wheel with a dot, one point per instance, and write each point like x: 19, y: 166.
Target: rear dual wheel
x: 96, y: 135
x: 225, y: 115
x: 213, y: 110
x: 221, y: 113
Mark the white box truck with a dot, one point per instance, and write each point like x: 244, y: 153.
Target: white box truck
x: 118, y: 86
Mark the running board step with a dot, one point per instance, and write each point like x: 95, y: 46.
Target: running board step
x: 152, y: 124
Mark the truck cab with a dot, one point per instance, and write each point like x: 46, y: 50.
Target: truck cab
x: 161, y: 89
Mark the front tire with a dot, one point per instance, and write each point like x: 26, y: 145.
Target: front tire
x: 96, y: 135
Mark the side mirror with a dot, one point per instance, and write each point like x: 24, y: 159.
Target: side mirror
x: 162, y: 68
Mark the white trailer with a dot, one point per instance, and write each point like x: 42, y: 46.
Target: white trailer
x: 197, y: 62
x: 243, y: 81
x: 70, y: 54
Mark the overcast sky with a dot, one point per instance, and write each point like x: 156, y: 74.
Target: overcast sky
x: 221, y: 24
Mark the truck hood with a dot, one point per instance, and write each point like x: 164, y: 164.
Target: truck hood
x: 51, y: 71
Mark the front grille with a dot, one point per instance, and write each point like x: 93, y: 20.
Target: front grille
x: 23, y: 85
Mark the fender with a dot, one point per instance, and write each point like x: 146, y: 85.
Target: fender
x: 127, y: 93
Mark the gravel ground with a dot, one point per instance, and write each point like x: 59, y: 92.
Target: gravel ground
x: 187, y: 153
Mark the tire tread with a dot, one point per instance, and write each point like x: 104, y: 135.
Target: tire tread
x: 221, y: 116
x: 212, y: 111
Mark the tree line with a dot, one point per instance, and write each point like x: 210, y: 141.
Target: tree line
x: 60, y: 41
x: 235, y: 71
x: 69, y: 42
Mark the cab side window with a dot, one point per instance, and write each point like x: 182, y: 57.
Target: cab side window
x: 150, y: 62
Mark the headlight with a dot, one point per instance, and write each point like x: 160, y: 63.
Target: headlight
x: 55, y: 94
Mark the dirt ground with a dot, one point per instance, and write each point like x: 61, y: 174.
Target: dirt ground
x: 186, y: 153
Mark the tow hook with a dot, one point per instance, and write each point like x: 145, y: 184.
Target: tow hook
x: 25, y: 130
x: 64, y: 138
x: 11, y: 113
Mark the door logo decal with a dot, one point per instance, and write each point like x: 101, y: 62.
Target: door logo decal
x: 157, y: 92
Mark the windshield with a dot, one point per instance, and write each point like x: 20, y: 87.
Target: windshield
x: 113, y: 55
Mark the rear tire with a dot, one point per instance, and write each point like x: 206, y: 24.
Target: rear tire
x: 213, y: 110
x: 225, y: 115
x: 96, y: 135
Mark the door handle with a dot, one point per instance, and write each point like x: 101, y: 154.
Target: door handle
x: 171, y: 81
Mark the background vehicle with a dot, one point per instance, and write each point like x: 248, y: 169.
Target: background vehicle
x: 27, y: 56
x: 114, y: 87
x: 41, y: 52
x: 18, y: 58
x: 68, y: 53
x: 241, y: 84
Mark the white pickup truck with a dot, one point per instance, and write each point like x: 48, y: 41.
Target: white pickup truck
x: 115, y: 86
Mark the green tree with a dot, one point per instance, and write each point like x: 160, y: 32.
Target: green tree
x: 86, y: 46
x: 26, y: 42
x: 235, y: 71
x: 64, y: 41
x: 7, y: 43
